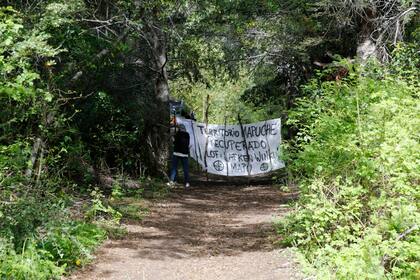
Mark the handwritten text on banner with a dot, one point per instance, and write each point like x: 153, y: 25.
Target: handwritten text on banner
x: 232, y: 151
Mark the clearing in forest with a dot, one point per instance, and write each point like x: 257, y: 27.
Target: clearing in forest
x: 212, y: 232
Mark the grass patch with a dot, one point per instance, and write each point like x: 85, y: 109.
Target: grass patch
x: 130, y: 208
x: 155, y: 189
x: 58, y: 249
x: 113, y: 231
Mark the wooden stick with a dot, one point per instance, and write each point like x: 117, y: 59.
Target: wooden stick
x: 34, y: 157
x: 246, y: 147
x: 195, y: 143
x: 226, y: 159
x: 269, y: 149
x: 206, y: 120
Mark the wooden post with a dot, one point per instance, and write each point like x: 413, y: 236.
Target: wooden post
x: 206, y: 120
x: 195, y: 144
x: 269, y: 149
x: 226, y: 159
x: 246, y: 147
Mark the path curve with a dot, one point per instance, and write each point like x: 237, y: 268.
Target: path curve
x: 219, y: 232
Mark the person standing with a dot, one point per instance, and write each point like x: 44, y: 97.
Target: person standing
x: 181, y: 153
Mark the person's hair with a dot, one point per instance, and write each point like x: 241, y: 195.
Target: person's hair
x: 182, y: 127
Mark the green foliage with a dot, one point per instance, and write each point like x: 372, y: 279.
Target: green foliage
x: 13, y: 159
x: 19, y: 222
x: 42, y: 246
x: 70, y: 244
x: 131, y: 211
x: 81, y: 77
x: 357, y: 161
x: 112, y: 130
x: 155, y: 188
x: 61, y: 14
x: 131, y: 208
x: 47, y: 255
x: 128, y: 202
x: 31, y: 264
x: 18, y: 49
x: 101, y: 211
x: 225, y: 101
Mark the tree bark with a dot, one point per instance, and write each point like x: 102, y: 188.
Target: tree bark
x: 158, y: 44
x: 366, y: 47
x: 158, y: 137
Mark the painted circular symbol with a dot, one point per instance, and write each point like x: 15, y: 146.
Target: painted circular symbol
x: 264, y: 166
x: 218, y: 165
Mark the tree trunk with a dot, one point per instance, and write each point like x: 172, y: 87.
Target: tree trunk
x: 158, y: 137
x: 366, y: 47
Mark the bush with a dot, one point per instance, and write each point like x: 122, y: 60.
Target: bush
x: 358, y: 164
x: 30, y: 264
x: 71, y: 244
x: 48, y: 255
x: 42, y: 245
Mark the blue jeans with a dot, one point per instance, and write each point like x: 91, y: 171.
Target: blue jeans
x: 174, y: 168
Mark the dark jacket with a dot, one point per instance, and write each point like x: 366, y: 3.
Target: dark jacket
x: 182, y: 142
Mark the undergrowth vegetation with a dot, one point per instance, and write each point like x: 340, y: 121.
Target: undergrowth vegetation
x: 84, y: 121
x: 53, y: 211
x: 39, y: 240
x: 357, y: 162
x: 43, y: 236
x: 45, y: 232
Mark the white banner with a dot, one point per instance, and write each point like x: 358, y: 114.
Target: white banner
x: 235, y: 151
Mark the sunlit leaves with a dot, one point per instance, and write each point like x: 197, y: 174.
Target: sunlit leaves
x: 20, y: 49
x: 358, y: 163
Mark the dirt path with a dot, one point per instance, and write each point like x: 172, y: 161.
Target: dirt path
x: 219, y: 232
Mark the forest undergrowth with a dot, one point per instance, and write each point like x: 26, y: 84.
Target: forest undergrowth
x: 46, y: 234
x: 356, y: 160
x: 53, y: 211
x: 84, y: 121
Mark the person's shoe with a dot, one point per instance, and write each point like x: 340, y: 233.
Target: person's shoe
x: 170, y: 184
x: 187, y: 185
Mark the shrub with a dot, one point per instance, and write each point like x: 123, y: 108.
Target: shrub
x: 358, y: 164
x: 72, y: 243
x: 31, y: 263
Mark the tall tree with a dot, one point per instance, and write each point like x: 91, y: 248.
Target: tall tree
x: 379, y: 24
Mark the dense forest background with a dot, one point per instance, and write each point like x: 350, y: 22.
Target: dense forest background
x: 84, y: 91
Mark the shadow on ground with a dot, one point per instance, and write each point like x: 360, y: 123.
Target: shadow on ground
x: 209, y: 219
